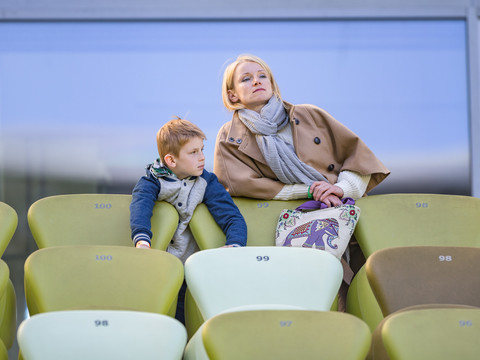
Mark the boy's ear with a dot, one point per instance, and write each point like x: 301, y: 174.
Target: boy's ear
x: 169, y: 160
x: 232, y: 97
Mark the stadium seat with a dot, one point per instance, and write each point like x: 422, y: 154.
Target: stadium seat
x: 265, y: 277
x: 421, y: 277
x: 95, y: 219
x: 8, y: 225
x: 102, y: 277
x: 441, y: 332
x: 417, y: 275
x: 261, y: 217
x: 8, y: 316
x: 394, y: 220
x: 250, y: 276
x: 3, y: 351
x: 281, y: 335
x: 361, y: 301
x: 8, y: 307
x: 100, y: 335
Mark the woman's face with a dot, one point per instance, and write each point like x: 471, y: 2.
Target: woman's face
x: 251, y: 86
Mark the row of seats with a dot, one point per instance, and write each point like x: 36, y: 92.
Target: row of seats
x: 282, y: 293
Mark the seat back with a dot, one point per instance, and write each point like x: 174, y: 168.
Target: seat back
x: 8, y: 307
x: 3, y: 351
x: 286, y: 334
x: 440, y: 334
x: 102, y: 277
x: 8, y: 225
x: 101, y: 334
x: 361, y: 301
x: 378, y: 350
x: 228, y: 279
x: 95, y: 219
x: 261, y: 217
x: 393, y: 220
x: 407, y: 276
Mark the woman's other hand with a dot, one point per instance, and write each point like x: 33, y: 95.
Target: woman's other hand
x: 329, y: 194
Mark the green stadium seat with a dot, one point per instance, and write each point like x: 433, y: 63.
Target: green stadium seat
x: 95, y: 219
x: 8, y: 225
x: 8, y: 307
x: 261, y: 217
x: 3, y: 351
x: 428, y: 332
x: 281, y: 335
x: 102, y: 277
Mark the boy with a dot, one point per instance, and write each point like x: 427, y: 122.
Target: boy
x: 179, y: 178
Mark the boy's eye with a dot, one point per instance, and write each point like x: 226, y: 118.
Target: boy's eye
x: 263, y: 75
x: 246, y: 78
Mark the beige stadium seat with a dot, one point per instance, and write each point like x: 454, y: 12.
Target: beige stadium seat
x: 266, y: 277
x: 422, y: 278
x: 100, y: 335
x: 261, y: 217
x: 417, y: 275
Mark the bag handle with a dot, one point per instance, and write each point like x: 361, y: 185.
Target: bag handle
x: 315, y: 205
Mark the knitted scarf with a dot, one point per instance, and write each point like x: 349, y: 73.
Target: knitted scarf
x: 278, y: 154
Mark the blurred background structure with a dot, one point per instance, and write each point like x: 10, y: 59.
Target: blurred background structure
x: 84, y: 86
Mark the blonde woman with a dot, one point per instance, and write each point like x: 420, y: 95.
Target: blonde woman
x: 272, y: 149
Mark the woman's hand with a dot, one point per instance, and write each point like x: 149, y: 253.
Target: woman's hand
x: 327, y: 193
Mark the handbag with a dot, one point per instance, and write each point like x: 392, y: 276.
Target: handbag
x: 327, y: 228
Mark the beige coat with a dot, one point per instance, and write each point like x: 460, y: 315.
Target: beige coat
x: 319, y: 140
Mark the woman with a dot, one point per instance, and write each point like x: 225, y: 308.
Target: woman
x: 272, y: 149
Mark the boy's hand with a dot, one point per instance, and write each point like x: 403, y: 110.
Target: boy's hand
x: 142, y: 244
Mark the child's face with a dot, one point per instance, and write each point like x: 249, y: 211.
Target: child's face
x: 191, y: 160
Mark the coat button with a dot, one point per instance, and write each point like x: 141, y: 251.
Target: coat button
x: 231, y: 139
x: 239, y: 141
x: 331, y: 167
x: 317, y: 140
x: 296, y: 121
x: 180, y: 204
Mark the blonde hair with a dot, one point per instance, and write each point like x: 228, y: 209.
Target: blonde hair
x: 174, y: 134
x: 228, y: 79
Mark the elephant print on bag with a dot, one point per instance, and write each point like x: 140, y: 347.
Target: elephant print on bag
x: 315, y: 231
